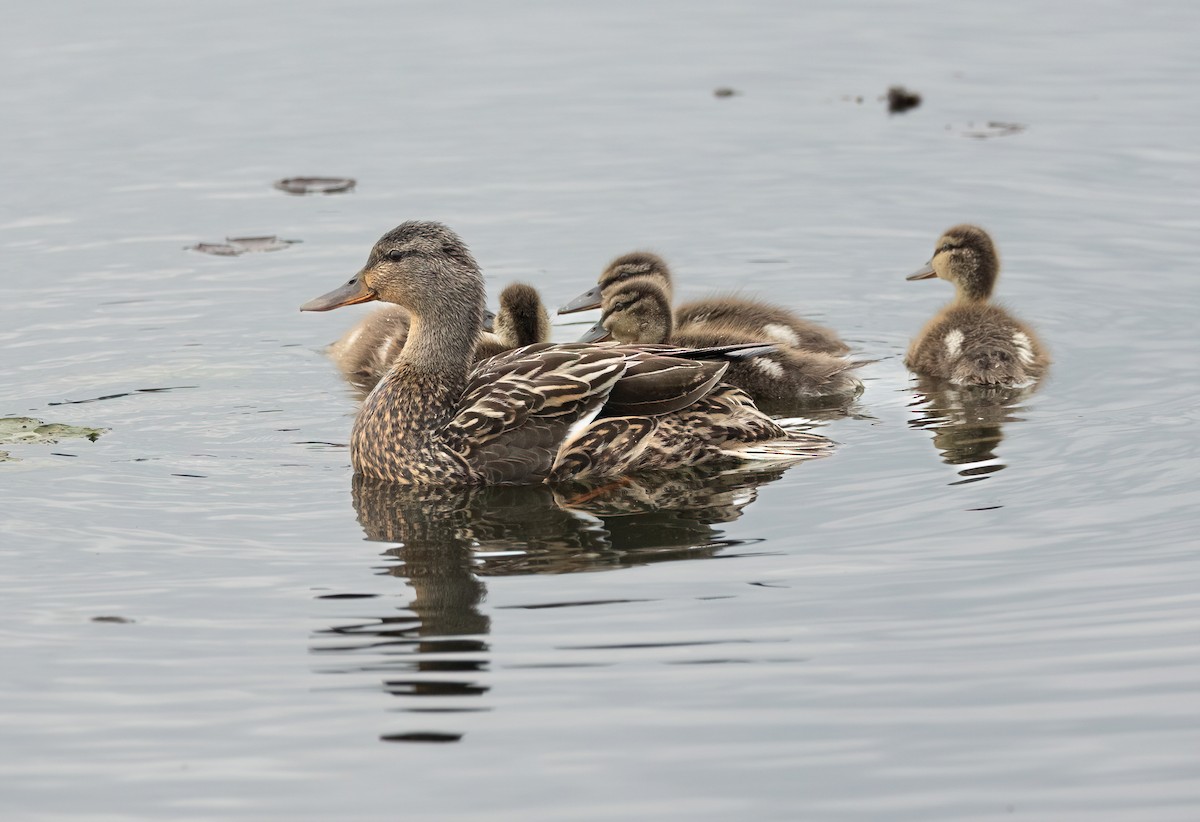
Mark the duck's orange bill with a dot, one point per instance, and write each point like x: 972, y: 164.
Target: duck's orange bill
x: 355, y: 291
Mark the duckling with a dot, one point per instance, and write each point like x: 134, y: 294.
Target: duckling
x: 759, y: 319
x: 972, y: 341
x: 522, y: 320
x: 542, y: 413
x: 368, y: 350
x: 638, y: 311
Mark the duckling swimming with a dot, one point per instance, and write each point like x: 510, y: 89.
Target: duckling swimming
x: 756, y: 318
x: 541, y: 413
x: 972, y: 341
x: 638, y: 311
x: 366, y: 352
x: 522, y: 320
x: 369, y: 350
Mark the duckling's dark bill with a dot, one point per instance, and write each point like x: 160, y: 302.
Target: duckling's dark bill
x: 489, y: 321
x: 355, y: 291
x: 924, y: 274
x: 596, y: 333
x: 585, y: 301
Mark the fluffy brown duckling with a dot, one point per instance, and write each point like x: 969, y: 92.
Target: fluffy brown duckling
x: 638, y: 311
x: 522, y: 320
x: 973, y: 341
x: 759, y: 319
x: 541, y: 413
x: 368, y: 350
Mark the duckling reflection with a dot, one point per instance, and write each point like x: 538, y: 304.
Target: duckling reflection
x: 967, y: 421
x: 447, y: 539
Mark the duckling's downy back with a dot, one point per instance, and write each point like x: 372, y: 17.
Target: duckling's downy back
x: 978, y: 344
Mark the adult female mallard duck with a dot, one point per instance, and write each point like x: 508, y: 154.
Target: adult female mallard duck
x: 972, y: 341
x: 539, y: 413
x: 638, y: 311
x: 755, y: 318
x: 368, y: 350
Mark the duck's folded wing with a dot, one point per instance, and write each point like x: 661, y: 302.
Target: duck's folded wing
x: 662, y: 378
x: 654, y: 384
x: 519, y: 407
x: 522, y: 408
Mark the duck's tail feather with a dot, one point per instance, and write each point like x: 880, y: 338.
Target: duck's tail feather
x: 796, y: 446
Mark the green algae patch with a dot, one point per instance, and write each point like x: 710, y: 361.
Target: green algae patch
x: 22, y: 430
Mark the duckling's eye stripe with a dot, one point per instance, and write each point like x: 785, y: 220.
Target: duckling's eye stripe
x: 947, y: 247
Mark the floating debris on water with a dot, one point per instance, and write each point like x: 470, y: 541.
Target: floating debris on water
x: 992, y: 128
x: 725, y: 91
x: 219, y: 249
x: 124, y: 394
x: 900, y: 99
x: 265, y: 243
x: 421, y: 736
x: 315, y: 185
x: 24, y: 430
x: 233, y: 246
x: 119, y: 620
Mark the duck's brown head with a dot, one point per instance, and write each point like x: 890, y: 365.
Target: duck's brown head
x: 423, y: 266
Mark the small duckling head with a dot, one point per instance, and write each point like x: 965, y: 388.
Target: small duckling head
x: 637, y: 312
x: 522, y: 319
x: 423, y: 266
x: 636, y: 264
x: 965, y: 256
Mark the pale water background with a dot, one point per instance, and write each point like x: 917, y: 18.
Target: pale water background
x: 1009, y: 633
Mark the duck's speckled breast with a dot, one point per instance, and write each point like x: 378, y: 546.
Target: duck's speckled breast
x: 396, y: 436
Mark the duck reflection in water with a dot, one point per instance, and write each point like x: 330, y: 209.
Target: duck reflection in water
x: 447, y: 539
x: 967, y: 422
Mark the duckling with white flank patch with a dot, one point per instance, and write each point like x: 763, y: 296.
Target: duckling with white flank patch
x: 972, y: 341
x: 638, y: 311
x: 760, y: 320
x: 369, y: 350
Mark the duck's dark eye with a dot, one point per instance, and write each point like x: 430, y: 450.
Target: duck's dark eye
x: 397, y: 254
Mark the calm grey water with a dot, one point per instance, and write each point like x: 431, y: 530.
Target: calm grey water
x: 968, y: 612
